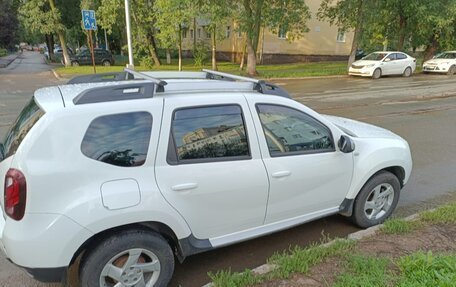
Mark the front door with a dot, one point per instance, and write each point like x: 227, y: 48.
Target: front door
x: 308, y: 175
x: 209, y: 166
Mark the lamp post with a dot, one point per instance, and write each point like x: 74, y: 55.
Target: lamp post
x: 130, y: 64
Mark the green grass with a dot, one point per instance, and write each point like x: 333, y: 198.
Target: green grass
x: 234, y: 279
x: 443, y: 215
x: 427, y: 269
x: 361, y: 271
x: 399, y: 226
x: 265, y: 71
x: 297, y: 259
x: 300, y: 259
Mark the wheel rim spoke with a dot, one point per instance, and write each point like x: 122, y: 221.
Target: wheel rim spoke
x: 379, y: 201
x: 149, y: 267
x: 133, y: 257
x: 141, y: 283
x: 113, y: 272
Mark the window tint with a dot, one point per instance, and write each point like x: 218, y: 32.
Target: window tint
x: 209, y: 133
x: 289, y: 130
x: 392, y: 57
x: 28, y: 117
x: 121, y: 139
x: 400, y: 56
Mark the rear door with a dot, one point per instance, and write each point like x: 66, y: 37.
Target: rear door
x: 209, y: 166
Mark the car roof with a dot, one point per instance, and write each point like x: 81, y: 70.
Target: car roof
x: 147, y: 85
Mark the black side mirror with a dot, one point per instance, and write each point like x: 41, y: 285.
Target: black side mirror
x: 346, y: 144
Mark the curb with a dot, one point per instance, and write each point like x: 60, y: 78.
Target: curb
x: 356, y: 236
x: 58, y: 76
x: 8, y: 62
x: 306, y: 78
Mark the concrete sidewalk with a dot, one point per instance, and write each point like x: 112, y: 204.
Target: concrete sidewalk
x: 6, y: 60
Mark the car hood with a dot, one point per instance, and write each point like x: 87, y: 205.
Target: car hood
x: 360, y: 129
x: 439, y: 61
x: 365, y: 62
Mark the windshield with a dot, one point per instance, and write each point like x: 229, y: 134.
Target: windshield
x: 446, y: 56
x: 26, y: 120
x: 375, y: 56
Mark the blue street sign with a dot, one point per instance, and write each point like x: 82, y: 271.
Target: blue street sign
x: 88, y: 20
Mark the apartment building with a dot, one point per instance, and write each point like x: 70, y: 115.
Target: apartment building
x: 322, y: 42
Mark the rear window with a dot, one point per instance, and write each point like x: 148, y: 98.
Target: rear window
x: 20, y: 128
x: 119, y: 139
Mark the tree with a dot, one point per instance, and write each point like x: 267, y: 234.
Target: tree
x: 217, y: 14
x: 347, y: 15
x: 252, y: 15
x: 44, y: 16
x: 9, y: 24
x: 172, y: 16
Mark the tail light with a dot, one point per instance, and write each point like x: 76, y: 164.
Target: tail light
x: 15, y: 194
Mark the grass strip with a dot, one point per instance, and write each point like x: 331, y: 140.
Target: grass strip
x: 399, y: 226
x: 364, y: 271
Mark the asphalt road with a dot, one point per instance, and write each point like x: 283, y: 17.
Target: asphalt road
x: 422, y: 109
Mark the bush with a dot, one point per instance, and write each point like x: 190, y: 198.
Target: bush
x: 3, y: 52
x: 200, y: 54
x: 147, y: 62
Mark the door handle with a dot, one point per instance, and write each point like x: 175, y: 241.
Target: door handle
x: 184, y: 186
x: 280, y: 174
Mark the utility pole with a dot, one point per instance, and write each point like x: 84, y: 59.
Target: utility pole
x: 130, y: 48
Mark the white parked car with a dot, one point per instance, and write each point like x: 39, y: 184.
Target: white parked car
x: 379, y: 64
x: 129, y: 171
x: 442, y: 63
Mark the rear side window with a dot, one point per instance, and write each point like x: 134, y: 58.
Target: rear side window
x: 120, y: 139
x: 212, y: 133
x: 23, y: 124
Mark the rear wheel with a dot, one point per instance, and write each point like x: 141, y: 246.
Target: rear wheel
x: 75, y: 63
x: 407, y: 72
x: 377, y: 73
x: 106, y: 63
x: 130, y: 258
x: 377, y: 200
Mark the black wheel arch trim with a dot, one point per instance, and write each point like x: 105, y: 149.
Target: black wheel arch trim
x: 46, y: 275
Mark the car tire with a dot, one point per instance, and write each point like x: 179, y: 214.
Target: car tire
x: 451, y: 70
x: 377, y: 200
x: 407, y: 72
x: 106, y: 63
x: 130, y: 253
x: 377, y: 74
x: 75, y: 64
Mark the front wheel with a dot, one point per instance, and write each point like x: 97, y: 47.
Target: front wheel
x: 377, y: 200
x: 106, y: 63
x: 377, y: 73
x: 75, y: 63
x: 451, y: 70
x: 130, y: 258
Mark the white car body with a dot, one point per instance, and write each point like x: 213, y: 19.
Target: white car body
x: 388, y: 63
x: 72, y: 198
x: 442, y: 63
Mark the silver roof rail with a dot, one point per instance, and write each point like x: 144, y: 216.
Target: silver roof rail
x: 160, y: 83
x: 210, y: 74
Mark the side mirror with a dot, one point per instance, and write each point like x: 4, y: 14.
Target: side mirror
x: 346, y: 144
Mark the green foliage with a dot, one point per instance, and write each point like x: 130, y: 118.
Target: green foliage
x: 234, y: 279
x: 399, y: 226
x: 200, y: 54
x: 147, y: 62
x: 9, y: 23
x: 3, y: 52
x: 443, y: 215
x: 300, y: 259
x: 427, y: 269
x: 363, y: 271
x: 37, y: 16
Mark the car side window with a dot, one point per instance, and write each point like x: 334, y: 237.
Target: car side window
x: 208, y: 133
x: 392, y: 57
x: 401, y: 56
x: 289, y: 131
x: 119, y: 139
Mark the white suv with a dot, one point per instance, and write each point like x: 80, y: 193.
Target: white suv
x: 129, y: 171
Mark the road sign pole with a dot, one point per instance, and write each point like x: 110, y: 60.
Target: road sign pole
x: 91, y: 51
